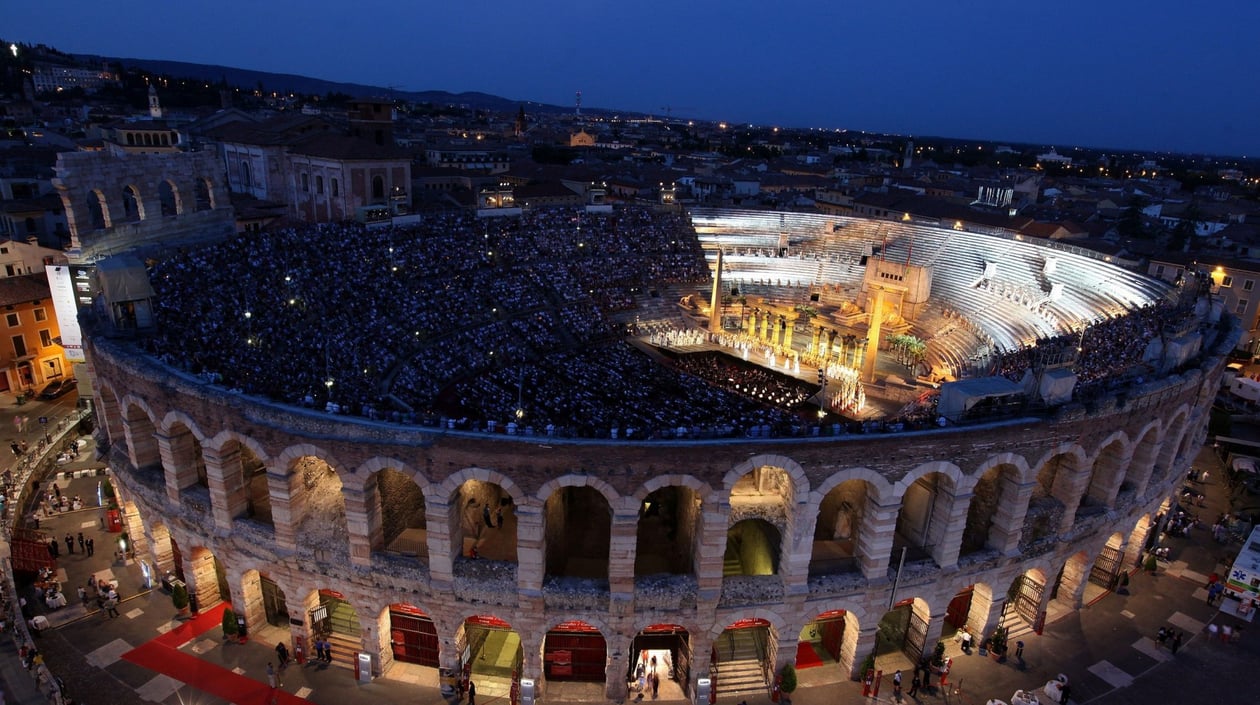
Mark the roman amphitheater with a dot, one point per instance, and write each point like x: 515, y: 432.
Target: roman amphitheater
x: 424, y: 497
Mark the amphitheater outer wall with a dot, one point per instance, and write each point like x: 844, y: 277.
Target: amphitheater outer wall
x: 1109, y: 467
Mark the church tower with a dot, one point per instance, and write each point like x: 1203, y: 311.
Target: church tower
x: 155, y: 108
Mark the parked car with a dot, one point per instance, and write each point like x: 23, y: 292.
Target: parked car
x: 57, y: 387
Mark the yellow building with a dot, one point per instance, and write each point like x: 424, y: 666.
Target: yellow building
x: 29, y: 357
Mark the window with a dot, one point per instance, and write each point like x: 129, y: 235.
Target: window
x: 45, y: 338
x: 13, y: 320
x: 19, y: 346
x: 1241, y: 306
x: 1227, y: 282
x: 319, y: 185
x: 40, y: 315
x: 306, y: 182
x: 1247, y: 284
x: 336, y: 188
x: 1159, y: 270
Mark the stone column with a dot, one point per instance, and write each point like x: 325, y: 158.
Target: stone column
x: 711, y: 546
x: 531, y: 554
x: 142, y: 448
x: 814, y: 344
x: 750, y: 323
x: 875, y: 537
x: 363, y: 523
x: 440, y: 520
x: 1073, y: 487
x: 1071, y: 584
x: 872, y: 337
x: 621, y: 553
x: 160, y: 548
x: 865, y: 646
x: 247, y: 601
x: 288, y: 505
x: 1135, y: 543
x: 1012, y: 510
x: 228, y: 497
x: 949, y: 544
x: 615, y: 686
x: 179, y: 462
x: 831, y: 343
x: 790, y: 323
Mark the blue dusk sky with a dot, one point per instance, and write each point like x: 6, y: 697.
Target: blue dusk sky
x: 1143, y: 74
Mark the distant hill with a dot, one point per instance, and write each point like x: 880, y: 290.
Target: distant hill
x: 286, y: 82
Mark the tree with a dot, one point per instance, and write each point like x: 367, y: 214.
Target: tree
x: 179, y: 597
x: 229, y: 623
x: 788, y: 674
x: 1130, y: 224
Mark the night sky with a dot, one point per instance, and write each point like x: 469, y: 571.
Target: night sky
x: 1143, y: 74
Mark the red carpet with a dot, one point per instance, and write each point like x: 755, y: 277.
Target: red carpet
x: 806, y: 657
x: 162, y: 655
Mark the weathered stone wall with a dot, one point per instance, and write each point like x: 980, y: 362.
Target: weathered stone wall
x: 1160, y: 424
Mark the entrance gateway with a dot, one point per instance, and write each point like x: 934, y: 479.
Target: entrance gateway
x: 575, y: 651
x: 491, y: 656
x: 412, y: 635
x: 670, y: 646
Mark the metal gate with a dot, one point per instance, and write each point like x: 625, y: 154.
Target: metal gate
x: 1106, y: 567
x: 273, y: 602
x: 1028, y: 598
x: 916, y: 636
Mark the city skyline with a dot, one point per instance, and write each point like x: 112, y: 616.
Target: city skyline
x: 1157, y: 76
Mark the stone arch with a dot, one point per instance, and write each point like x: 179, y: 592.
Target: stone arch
x: 907, y: 628
x: 577, y: 536
x: 753, y: 548
x: 203, y: 194
x: 236, y: 465
x: 930, y: 496
x: 701, y: 488
x: 176, y: 416
x: 140, y: 432
x: 840, y: 507
x: 1056, y: 493
x: 170, y: 198
x: 108, y: 411
x: 179, y: 442
x: 133, y: 206
x: 1170, y: 445
x: 723, y: 621
x: 386, y: 510
x: 823, y: 625
x: 610, y: 494
x: 669, y: 526
x: 995, y: 512
x: 446, y: 489
x: 284, y: 461
x: 306, y: 486
x: 799, y: 480
x: 1137, y: 474
x: 1106, y: 474
x: 98, y: 210
x: 1073, y: 577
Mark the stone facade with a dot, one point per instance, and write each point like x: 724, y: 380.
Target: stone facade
x: 978, y: 508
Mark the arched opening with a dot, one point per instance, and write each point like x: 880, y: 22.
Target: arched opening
x: 836, y: 532
x: 98, y: 210
x: 168, y: 197
x: 335, y: 619
x: 994, y: 494
x: 490, y: 654
x: 141, y: 437
x: 1049, y: 499
x: 1073, y: 578
x: 752, y: 548
x: 201, y: 194
x: 400, y: 515
x: 903, y: 630
x: 245, y: 477
x: 247, y: 179
x: 207, y: 581
x: 923, y: 518
x: 487, y: 521
x: 190, y: 463
x: 575, y: 651
x: 958, y: 611
x: 413, y: 637
x: 1023, y: 598
x: 1104, y: 480
x: 666, y: 648
x: 378, y: 188
x: 131, y: 139
x: 264, y: 602
x: 827, y: 642
x: 743, y: 657
x: 665, y: 537
x: 133, y: 207
x: 578, y: 529
x: 317, y: 504
x: 1138, y: 474
x: 1104, y: 574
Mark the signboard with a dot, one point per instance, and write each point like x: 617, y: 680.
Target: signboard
x: 71, y: 288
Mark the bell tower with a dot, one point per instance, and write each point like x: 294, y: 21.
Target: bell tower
x: 155, y: 107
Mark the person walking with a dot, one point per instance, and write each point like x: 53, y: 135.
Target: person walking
x: 271, y: 675
x: 1176, y: 643
x: 82, y: 545
x: 111, y: 607
x: 472, y: 692
x: 91, y: 546
x: 485, y: 515
x: 914, y: 684
x: 69, y: 544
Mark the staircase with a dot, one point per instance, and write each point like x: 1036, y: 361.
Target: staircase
x: 343, y: 625
x: 739, y: 668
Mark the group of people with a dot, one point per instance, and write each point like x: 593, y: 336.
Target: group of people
x: 356, y: 314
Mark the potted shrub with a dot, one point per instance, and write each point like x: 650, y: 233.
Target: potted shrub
x: 229, y: 624
x: 997, y: 644
x: 787, y: 682
x: 1151, y: 564
x: 179, y: 598
x: 868, y: 665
